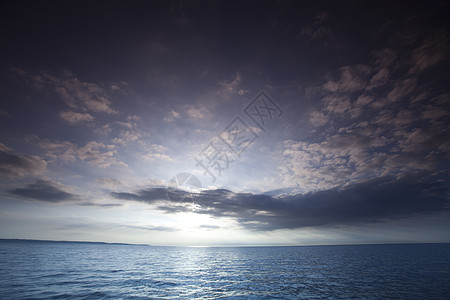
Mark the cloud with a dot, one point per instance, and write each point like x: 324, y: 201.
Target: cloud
x: 317, y: 33
x: 402, y: 88
x: 375, y: 120
x: 159, y: 148
x: 99, y: 204
x: 93, y: 152
x: 384, y: 58
x: 153, y: 194
x: 205, y: 226
x: 380, y: 199
x: 157, y: 152
x: 157, y: 157
x: 319, y: 30
x: 99, y: 154
x: 131, y: 134
x: 74, y: 117
x: 231, y: 87
x: 385, y: 143
x: 172, y: 115
x: 379, y: 79
x: 180, y: 10
x: 353, y: 78
x: 363, y: 100
x: 336, y: 105
x: 198, y: 112
x: 44, y: 190
x: 433, y: 113
x: 125, y: 124
x: 420, y: 140
x: 110, y: 183
x: 74, y: 92
x: 56, y: 151
x: 432, y: 50
x: 134, y: 118
x: 318, y: 118
x: 313, y: 166
x: 16, y: 165
x: 151, y: 227
x: 103, y: 129
x: 322, y: 17
x: 127, y: 137
x: 51, y: 192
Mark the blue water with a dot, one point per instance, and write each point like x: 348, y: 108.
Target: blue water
x: 46, y: 270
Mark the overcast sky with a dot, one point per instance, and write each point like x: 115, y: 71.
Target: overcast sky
x: 225, y: 122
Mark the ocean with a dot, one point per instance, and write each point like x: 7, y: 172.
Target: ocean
x: 65, y: 270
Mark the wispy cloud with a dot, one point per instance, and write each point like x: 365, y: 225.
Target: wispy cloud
x: 198, y: 112
x: 16, y: 165
x: 74, y: 117
x: 106, y: 205
x: 319, y: 30
x: 379, y: 79
x: 230, y: 87
x: 110, y: 183
x: 95, y: 153
x: 100, y: 154
x: 126, y: 137
x: 152, y: 228
x: 352, y: 78
x: 157, y: 152
x: 171, y: 116
x: 402, y: 88
x: 75, y: 93
x: 433, y: 49
x: 384, y: 58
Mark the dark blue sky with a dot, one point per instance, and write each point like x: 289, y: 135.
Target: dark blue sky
x: 301, y: 122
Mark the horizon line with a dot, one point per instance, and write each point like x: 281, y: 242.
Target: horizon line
x: 214, y: 246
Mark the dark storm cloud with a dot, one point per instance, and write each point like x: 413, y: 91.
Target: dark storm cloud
x: 44, y: 190
x: 375, y: 200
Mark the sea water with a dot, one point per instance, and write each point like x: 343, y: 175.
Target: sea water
x: 64, y: 270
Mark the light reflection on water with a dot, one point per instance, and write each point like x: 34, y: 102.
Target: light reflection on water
x: 96, y: 271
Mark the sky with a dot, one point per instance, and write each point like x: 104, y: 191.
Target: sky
x: 225, y: 122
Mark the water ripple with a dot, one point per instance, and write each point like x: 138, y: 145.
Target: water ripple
x: 92, y: 271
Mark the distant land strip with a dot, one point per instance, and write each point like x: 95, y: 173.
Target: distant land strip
x: 76, y: 242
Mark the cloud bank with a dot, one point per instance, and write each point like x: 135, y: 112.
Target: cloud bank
x: 381, y: 199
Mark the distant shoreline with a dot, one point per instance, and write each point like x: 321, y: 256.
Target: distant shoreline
x: 212, y: 246
x: 76, y: 242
